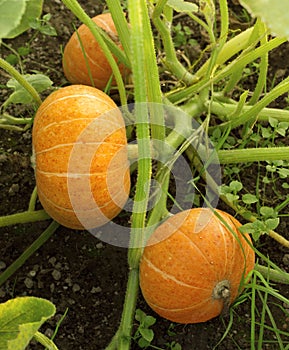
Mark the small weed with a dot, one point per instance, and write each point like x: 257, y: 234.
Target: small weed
x: 182, y: 35
x: 144, y: 335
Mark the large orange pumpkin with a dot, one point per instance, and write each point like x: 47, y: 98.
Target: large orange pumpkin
x: 74, y: 61
x: 81, y: 163
x: 193, y: 266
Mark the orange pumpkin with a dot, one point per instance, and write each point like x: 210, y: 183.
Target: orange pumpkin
x: 193, y: 265
x: 74, y: 61
x: 81, y: 165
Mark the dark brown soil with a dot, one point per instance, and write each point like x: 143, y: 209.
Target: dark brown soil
x: 75, y: 270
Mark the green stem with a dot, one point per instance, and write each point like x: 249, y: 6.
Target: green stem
x: 231, y: 48
x: 129, y: 310
x: 140, y: 31
x: 274, y: 275
x: 171, y: 60
x: 231, y: 68
x: 33, y: 198
x: 226, y: 111
x: 45, y: 341
x: 21, y: 80
x: 28, y: 252
x: 252, y: 114
x: 24, y: 217
x: 264, y: 64
x: 9, y: 119
x: 121, y: 25
x: 248, y: 155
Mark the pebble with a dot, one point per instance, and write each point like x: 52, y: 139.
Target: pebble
x: 28, y: 282
x: 56, y: 275
x: 2, y: 293
x: 76, y: 287
x: 2, y: 265
x: 49, y: 332
x: 286, y: 259
x: 13, y: 189
x: 95, y: 290
x: 32, y: 273
x: 52, y: 260
x: 68, y: 281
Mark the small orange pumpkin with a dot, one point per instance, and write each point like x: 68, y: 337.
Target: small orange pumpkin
x: 74, y: 62
x: 193, y: 266
x: 81, y: 165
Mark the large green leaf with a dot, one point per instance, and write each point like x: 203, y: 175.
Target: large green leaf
x: 273, y: 13
x: 11, y: 12
x: 20, y: 318
x: 18, y: 15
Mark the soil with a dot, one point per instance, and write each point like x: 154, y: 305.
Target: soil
x: 79, y: 273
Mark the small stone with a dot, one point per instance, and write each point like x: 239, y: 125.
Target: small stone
x: 95, y: 290
x: 52, y: 287
x: 68, y: 281
x: 52, y: 260
x: 75, y: 287
x: 81, y: 329
x: 2, y: 265
x: 49, y: 332
x: 32, y: 273
x: 99, y: 245
x: 56, y: 275
x: 13, y: 189
x: 286, y: 259
x: 2, y: 293
x: 28, y: 282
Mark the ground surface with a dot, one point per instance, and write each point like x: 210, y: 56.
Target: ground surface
x: 75, y: 270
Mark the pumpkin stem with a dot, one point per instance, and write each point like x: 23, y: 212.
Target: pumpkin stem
x: 222, y: 291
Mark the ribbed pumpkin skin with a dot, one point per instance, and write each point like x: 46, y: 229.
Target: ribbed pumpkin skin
x: 81, y: 163
x: 186, y: 257
x: 74, y: 65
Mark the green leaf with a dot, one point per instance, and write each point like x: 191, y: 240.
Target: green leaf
x: 140, y: 315
x: 249, y: 198
x: 235, y: 186
x: 267, y: 212
x: 39, y: 81
x: 142, y: 343
x: 32, y: 9
x: 11, y: 12
x: 273, y: 122
x: 182, y: 6
x: 20, y: 318
x: 274, y: 14
x: 149, y: 321
x: 147, y: 334
x: 271, y: 224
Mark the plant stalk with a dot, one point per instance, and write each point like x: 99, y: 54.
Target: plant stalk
x: 248, y: 155
x: 24, y: 217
